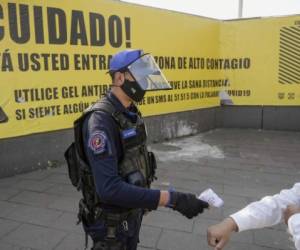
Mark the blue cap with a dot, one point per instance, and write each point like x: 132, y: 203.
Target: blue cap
x: 123, y: 59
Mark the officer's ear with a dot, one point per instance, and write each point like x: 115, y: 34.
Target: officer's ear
x: 119, y: 79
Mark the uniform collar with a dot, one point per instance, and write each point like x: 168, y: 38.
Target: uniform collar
x: 116, y: 102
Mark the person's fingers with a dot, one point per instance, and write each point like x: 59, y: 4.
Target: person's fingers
x: 221, y: 244
x: 190, y: 216
x: 203, y: 204
x: 211, y: 240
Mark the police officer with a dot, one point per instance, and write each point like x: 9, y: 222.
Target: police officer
x: 113, y: 136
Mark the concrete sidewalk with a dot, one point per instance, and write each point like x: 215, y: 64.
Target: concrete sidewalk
x: 38, y: 209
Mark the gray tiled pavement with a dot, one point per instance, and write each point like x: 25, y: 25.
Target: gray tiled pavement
x: 38, y: 209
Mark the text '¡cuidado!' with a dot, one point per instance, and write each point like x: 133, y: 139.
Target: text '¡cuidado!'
x: 25, y: 23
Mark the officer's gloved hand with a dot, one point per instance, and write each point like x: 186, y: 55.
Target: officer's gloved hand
x: 186, y: 204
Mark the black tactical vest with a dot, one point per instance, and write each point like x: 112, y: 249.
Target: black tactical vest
x: 136, y: 166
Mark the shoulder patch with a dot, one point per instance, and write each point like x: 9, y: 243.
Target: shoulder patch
x: 98, y: 142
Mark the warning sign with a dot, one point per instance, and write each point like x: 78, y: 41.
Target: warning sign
x: 54, y: 57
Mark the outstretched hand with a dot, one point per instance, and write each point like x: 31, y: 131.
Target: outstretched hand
x: 218, y: 235
x: 187, y: 204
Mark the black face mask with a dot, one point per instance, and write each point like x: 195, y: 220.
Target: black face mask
x: 133, y: 90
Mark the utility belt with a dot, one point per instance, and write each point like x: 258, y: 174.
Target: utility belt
x: 111, y: 220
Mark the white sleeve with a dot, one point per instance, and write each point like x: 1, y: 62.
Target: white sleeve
x: 268, y: 211
x: 294, y: 229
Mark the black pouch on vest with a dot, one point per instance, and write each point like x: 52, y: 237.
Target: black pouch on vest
x: 73, y: 167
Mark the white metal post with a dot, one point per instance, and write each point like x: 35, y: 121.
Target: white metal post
x: 241, y: 3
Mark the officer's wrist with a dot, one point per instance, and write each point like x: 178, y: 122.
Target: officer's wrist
x: 164, y: 198
x: 172, y: 198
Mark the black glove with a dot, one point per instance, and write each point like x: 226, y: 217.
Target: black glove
x: 186, y: 204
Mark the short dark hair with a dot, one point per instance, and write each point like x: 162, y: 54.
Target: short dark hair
x: 112, y: 75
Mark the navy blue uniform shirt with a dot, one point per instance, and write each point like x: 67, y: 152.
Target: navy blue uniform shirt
x: 103, y: 148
